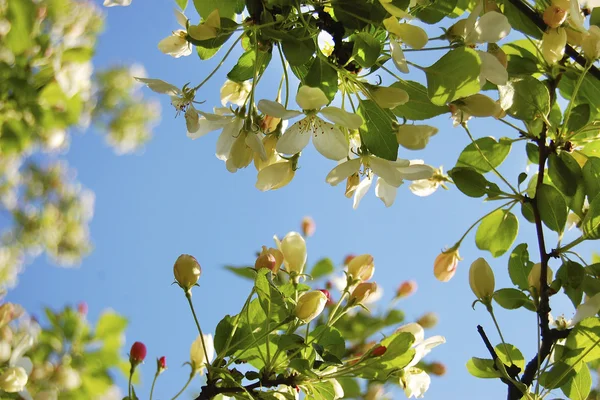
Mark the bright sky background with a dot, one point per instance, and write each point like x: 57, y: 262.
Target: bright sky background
x: 177, y: 197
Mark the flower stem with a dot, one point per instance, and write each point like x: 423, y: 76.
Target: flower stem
x: 129, y: 386
x: 491, y: 311
x: 219, y: 64
x: 184, y: 386
x: 153, y: 383
x: 188, y: 296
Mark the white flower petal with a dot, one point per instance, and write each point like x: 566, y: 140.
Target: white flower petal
x: 274, y: 176
x: 192, y: 120
x: 423, y: 187
x: 175, y: 45
x: 417, y: 331
x: 343, y: 171
x: 385, y: 191
x: 311, y: 98
x: 414, y: 137
x: 181, y: 18
x: 342, y: 117
x: 414, y: 36
x: 227, y: 137
x: 588, y: 309
x: 385, y: 169
x: 206, y: 125
x: 492, y: 69
x: 295, y: 138
x: 361, y: 190
x: 416, y: 172
x: 112, y: 3
x: 254, y: 141
x: 398, y: 56
x: 160, y: 86
x: 275, y: 109
x: 329, y: 140
x: 415, y: 383
x: 491, y: 27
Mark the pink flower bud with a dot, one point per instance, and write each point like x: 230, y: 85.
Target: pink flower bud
x: 444, y: 266
x: 161, y: 364
x: 327, y: 294
x: 82, y: 308
x: 137, y: 353
x: 308, y: 226
x: 428, y: 320
x: 406, y: 288
x: 348, y: 258
x: 554, y: 16
x: 437, y: 368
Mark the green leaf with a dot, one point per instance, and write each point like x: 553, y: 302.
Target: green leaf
x: 182, y: 4
x: 557, y: 376
x: 491, y: 153
x: 525, y: 98
x: 435, y: 11
x: 324, y: 76
x: 564, y: 172
x: 482, y: 368
x: 520, y: 21
x: 346, y: 11
x: 419, y: 107
x: 351, y: 387
x: 588, y: 91
x: 323, y: 267
x: 223, y: 331
x: 245, y: 272
x: 208, y: 48
x: 454, y: 76
x: 21, y: 15
x: 377, y: 132
x: 571, y: 275
x: 507, y: 353
x: 331, y: 339
x: 469, y: 181
x: 511, y: 299
x: 110, y: 324
x: 497, y: 232
x: 366, y: 49
x: 583, y: 342
x: 595, y: 17
x: 580, y: 385
x: 552, y: 207
x: 247, y: 64
x: 227, y: 8
x: 591, y: 223
x: 519, y: 266
x: 298, y: 47
x: 591, y: 177
x: 580, y: 116
x: 533, y: 153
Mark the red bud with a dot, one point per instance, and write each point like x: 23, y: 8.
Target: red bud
x: 378, y: 351
x: 137, y: 353
x: 82, y: 308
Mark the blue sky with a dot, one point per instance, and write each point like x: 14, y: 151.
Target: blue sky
x: 176, y: 197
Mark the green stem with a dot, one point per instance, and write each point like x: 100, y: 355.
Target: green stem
x: 479, y: 220
x: 285, y: 74
x: 491, y: 311
x: 219, y: 64
x: 429, y: 48
x: 515, y: 191
x: 569, y: 246
x: 153, y: 383
x: 188, y: 296
x: 129, y: 386
x: 184, y: 386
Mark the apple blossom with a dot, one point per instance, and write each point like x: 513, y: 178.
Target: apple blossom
x: 13, y: 379
x: 591, y: 43
x: 406, y: 289
x: 553, y: 45
x: 426, y: 187
x: 421, y: 345
x: 415, y: 382
x: 112, y: 3
x: 480, y: 105
x: 177, y: 44
x: 428, y: 320
x: 276, y: 175
x: 310, y: 305
x: 267, y: 259
x: 137, y: 354
x: 444, y: 266
x: 198, y: 358
x: 68, y: 378
x: 362, y: 292
x: 161, y: 364
x: 327, y: 138
x: 554, y: 16
x: 308, y: 226
x: 389, y: 97
x: 411, y: 35
x: 437, y: 368
x: 293, y: 248
x: 208, y: 29
x: 235, y: 92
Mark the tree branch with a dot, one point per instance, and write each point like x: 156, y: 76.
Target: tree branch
x: 513, y: 370
x: 535, y: 17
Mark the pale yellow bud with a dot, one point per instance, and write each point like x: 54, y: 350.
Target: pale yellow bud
x: 187, y: 271
x: 308, y: 226
x: 444, y: 266
x: 199, y: 358
x: 534, y: 278
x: 362, y: 292
x: 591, y: 43
x: 554, y: 16
x: 361, y: 267
x: 481, y: 279
x: 310, y: 305
x: 5, y: 351
x: 479, y: 105
x: 428, y: 320
x: 269, y: 142
x: 553, y: 45
x: 389, y: 97
x: 13, y: 379
x: 351, y: 184
x: 293, y: 248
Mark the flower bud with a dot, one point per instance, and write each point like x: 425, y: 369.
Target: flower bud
x: 5, y: 351
x: 82, y: 308
x: 348, y: 258
x: 575, y: 38
x: 187, y: 271
x: 198, y: 358
x: 327, y: 294
x: 361, y: 267
x: 293, y: 248
x: 269, y: 143
x: 375, y: 391
x: 275, y: 175
x: 310, y: 305
x: 406, y: 288
x: 414, y: 137
x: 481, y: 279
x: 479, y: 105
x: 534, y: 278
x: 378, y: 351
x: 13, y: 379
x: 437, y: 368
x: 362, y: 292
x: 137, y: 354
x: 269, y: 124
x: 554, y: 16
x: 428, y: 320
x: 591, y: 43
x: 444, y: 266
x: 240, y: 154
x: 267, y: 260
x: 389, y: 97
x: 161, y: 364
x: 457, y: 31
x: 553, y: 45
x: 308, y: 226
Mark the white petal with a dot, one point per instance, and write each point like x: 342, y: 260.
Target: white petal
x: 311, y: 98
x: 175, y: 46
x: 181, y: 18
x: 208, y: 125
x: 343, y: 171
x: 385, y: 191
x: 385, y: 169
x: 275, y: 109
x: 112, y: 3
x: 160, y: 86
x: 588, y: 309
x: 414, y: 36
x: 398, y: 56
x: 361, y: 190
x: 329, y: 140
x: 342, y: 117
x: 274, y: 176
x: 227, y: 137
x: 416, y: 172
x: 416, y: 383
x: 414, y: 137
x: 417, y: 331
x: 423, y: 187
x: 491, y: 27
x: 295, y: 138
x: 254, y: 141
x: 492, y: 69
x: 192, y: 120
x: 25, y: 363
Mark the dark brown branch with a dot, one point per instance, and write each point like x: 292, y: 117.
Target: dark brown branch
x: 535, y: 17
x: 210, y: 390
x: 513, y: 370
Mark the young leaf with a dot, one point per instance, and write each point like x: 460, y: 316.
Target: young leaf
x: 591, y: 223
x: 525, y: 98
x: 552, y: 206
x: 511, y: 299
x: 377, y: 132
x: 580, y: 385
x: 564, y: 172
x: 591, y: 177
x: 519, y: 266
x: 366, y: 49
x: 494, y: 153
x: 323, y: 267
x: 482, y: 368
x: 469, y: 181
x: 419, y: 107
x: 323, y: 76
x: 227, y: 8
x: 454, y: 76
x: 497, y: 232
x: 246, y: 65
